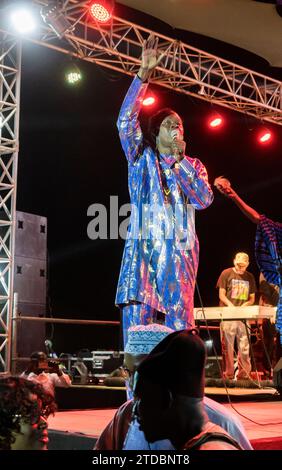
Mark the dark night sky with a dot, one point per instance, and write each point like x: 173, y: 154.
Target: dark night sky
x: 70, y: 157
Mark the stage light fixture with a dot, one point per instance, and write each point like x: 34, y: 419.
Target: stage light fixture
x: 73, y: 75
x: 54, y: 17
x: 149, y: 101
x: 101, y: 10
x: 264, y: 136
x: 202, y: 91
x: 209, y: 343
x: 215, y: 121
x: 22, y: 20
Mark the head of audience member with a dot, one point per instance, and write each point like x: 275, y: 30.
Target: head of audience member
x: 169, y: 389
x: 141, y: 340
x: 39, y: 355
x: 241, y: 262
x: 38, y: 362
x: 24, y: 409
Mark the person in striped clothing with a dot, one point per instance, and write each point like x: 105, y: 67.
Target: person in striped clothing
x: 268, y: 243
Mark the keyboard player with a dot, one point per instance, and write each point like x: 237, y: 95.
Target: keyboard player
x: 237, y: 287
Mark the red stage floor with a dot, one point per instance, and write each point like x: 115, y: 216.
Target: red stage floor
x: 264, y: 431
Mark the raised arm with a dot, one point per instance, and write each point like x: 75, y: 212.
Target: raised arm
x: 130, y: 133
x: 128, y: 124
x: 224, y: 186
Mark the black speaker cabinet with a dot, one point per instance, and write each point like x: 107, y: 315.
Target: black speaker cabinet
x: 30, y: 275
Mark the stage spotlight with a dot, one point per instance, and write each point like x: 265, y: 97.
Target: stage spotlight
x: 73, y: 75
x: 264, y: 136
x: 202, y: 91
x: 22, y: 20
x: 101, y: 10
x: 215, y: 121
x: 149, y: 101
x: 55, y: 18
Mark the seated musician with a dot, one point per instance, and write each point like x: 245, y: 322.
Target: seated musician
x: 237, y: 287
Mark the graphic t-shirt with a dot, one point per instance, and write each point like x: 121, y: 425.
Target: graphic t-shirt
x: 238, y: 286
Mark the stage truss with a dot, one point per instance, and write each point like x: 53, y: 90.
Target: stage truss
x: 184, y: 69
x: 117, y: 46
x: 10, y: 73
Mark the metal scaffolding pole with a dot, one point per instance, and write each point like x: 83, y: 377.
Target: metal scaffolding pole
x: 10, y: 75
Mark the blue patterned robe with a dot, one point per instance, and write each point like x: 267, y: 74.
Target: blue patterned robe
x: 154, y: 270
x: 268, y: 250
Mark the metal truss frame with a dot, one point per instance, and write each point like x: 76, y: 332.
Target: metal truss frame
x: 184, y: 69
x: 10, y: 74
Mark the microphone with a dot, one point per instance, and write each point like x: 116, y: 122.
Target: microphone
x: 175, y: 134
x: 49, y: 348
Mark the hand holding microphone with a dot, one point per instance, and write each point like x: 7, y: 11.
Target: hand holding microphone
x: 178, y: 145
x: 224, y: 186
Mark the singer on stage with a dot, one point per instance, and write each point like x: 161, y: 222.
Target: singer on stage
x: 157, y: 276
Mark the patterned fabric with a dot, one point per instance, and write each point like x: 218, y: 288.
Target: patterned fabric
x: 238, y: 287
x: 137, y: 313
x: 143, y: 338
x: 268, y: 249
x: 155, y: 270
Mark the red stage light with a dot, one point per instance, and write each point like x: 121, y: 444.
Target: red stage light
x: 148, y: 101
x: 215, y: 121
x: 264, y: 136
x: 101, y: 10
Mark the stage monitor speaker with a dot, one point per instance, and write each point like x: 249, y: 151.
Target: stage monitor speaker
x: 277, y: 375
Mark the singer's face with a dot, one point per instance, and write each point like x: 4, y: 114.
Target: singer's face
x: 170, y: 129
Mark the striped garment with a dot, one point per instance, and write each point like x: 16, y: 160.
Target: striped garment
x: 268, y: 248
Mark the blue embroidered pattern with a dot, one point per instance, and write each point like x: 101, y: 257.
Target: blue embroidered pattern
x: 154, y: 271
x: 268, y: 248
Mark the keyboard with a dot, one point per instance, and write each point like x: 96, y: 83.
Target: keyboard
x: 253, y: 312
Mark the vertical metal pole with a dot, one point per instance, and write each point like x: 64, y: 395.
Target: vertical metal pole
x: 13, y: 346
x: 14, y: 334
x: 252, y: 352
x: 10, y: 344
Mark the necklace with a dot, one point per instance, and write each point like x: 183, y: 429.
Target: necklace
x: 163, y: 172
x: 166, y: 191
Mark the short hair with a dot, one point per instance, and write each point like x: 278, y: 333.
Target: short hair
x: 16, y: 406
x: 39, y: 355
